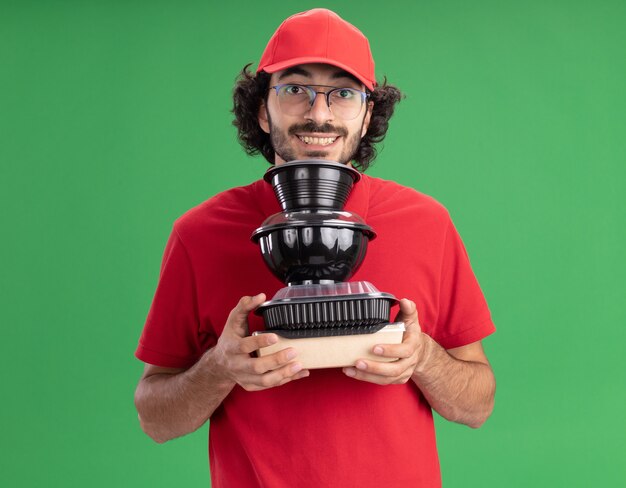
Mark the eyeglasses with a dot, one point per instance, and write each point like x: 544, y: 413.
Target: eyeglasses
x: 345, y: 103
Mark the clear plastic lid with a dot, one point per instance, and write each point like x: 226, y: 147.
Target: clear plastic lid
x: 326, y: 290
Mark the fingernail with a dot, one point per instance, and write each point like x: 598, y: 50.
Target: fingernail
x: 349, y: 372
x: 378, y: 350
x: 272, y: 339
x: 291, y: 354
x: 296, y: 367
x: 361, y: 365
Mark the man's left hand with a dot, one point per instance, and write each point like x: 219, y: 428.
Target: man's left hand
x: 410, y: 353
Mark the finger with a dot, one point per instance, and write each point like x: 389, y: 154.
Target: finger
x: 302, y: 374
x: 238, y: 317
x: 277, y: 377
x: 376, y: 379
x: 254, y: 385
x: 270, y: 362
x: 402, y: 350
x: 379, y: 379
x: 408, y: 313
x: 408, y: 310
x: 370, y: 378
x: 390, y: 369
x: 253, y: 343
x: 412, y: 341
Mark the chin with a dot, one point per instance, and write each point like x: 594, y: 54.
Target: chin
x: 323, y: 155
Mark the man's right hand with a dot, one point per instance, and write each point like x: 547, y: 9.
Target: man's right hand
x: 172, y: 401
x: 231, y: 357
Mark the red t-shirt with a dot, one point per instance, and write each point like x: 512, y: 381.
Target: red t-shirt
x: 327, y: 429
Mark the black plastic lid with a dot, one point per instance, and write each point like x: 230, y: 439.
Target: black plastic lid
x: 313, y: 218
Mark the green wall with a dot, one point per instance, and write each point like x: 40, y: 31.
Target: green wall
x: 114, y: 120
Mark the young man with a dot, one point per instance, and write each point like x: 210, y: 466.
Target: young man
x: 271, y: 422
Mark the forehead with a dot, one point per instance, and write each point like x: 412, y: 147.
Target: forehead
x: 318, y: 73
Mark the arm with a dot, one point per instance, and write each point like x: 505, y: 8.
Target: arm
x: 459, y: 384
x: 172, y: 402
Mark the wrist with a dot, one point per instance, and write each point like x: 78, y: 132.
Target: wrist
x: 427, y: 361
x: 214, y: 371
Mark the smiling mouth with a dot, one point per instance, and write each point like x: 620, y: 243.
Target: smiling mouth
x: 317, y: 141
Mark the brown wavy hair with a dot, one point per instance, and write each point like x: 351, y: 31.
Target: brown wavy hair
x: 250, y: 89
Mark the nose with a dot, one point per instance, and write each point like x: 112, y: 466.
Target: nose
x: 319, y: 111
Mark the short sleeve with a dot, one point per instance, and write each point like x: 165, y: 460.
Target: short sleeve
x: 171, y: 336
x: 463, y: 315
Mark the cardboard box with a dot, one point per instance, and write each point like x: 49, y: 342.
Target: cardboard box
x: 338, y: 351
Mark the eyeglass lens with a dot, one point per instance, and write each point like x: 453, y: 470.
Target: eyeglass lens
x: 344, y: 103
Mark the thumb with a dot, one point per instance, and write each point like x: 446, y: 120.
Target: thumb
x: 238, y: 317
x: 408, y: 313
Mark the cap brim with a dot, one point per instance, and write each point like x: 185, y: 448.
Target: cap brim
x: 273, y: 68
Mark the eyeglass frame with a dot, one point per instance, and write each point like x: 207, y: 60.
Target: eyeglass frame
x: 310, y: 90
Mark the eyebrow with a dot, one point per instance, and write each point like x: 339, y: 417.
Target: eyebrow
x: 297, y: 70
x: 345, y: 74
x: 294, y: 70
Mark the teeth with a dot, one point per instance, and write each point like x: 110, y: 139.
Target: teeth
x: 318, y: 141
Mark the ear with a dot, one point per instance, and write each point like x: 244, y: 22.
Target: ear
x: 368, y: 116
x: 263, y: 119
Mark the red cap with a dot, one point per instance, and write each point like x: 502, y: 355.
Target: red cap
x: 319, y: 36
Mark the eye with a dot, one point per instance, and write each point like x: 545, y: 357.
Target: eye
x: 344, y: 94
x: 293, y: 90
